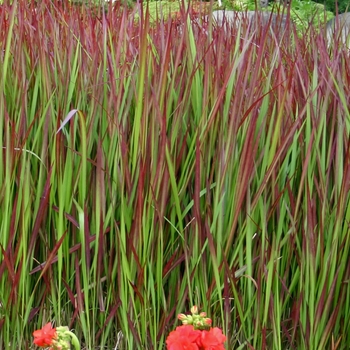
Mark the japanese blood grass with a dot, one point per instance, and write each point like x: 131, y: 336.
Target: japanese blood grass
x: 149, y: 167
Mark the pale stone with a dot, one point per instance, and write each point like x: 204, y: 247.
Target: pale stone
x: 262, y: 18
x: 339, y: 28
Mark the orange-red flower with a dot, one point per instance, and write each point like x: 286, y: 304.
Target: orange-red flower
x: 212, y: 339
x: 183, y: 338
x: 195, y: 333
x: 45, y: 336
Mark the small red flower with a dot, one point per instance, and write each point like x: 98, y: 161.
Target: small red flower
x: 44, y: 337
x: 212, y: 339
x: 183, y: 338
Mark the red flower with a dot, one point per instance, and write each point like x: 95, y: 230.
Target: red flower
x: 212, y: 339
x: 43, y: 337
x: 183, y: 338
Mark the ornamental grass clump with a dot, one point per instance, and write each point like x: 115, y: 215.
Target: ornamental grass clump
x: 146, y: 167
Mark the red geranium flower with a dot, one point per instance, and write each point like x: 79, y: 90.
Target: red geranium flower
x: 183, y: 338
x: 44, y: 337
x: 212, y: 339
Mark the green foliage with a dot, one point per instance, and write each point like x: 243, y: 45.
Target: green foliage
x: 334, y: 6
x: 305, y: 12
x: 301, y: 12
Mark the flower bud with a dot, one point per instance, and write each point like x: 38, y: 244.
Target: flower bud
x: 207, y: 321
x: 194, y: 310
x: 181, y: 317
x: 62, y: 329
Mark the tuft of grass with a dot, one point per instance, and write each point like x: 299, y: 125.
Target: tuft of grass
x: 147, y: 167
